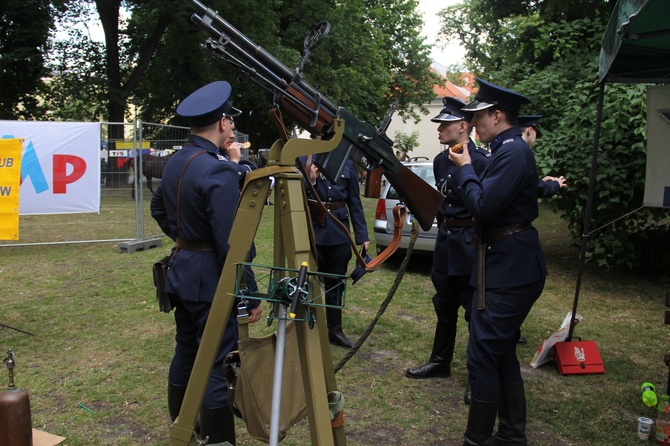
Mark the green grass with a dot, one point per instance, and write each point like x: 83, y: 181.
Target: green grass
x: 101, y: 343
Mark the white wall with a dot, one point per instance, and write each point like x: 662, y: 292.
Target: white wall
x: 429, y: 145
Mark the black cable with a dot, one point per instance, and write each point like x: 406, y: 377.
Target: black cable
x: 386, y: 302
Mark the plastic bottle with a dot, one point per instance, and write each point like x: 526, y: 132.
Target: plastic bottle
x: 649, y: 397
x: 663, y: 421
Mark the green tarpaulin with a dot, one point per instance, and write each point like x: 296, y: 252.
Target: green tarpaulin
x: 636, y: 43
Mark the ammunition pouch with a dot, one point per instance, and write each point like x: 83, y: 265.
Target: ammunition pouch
x: 159, y: 271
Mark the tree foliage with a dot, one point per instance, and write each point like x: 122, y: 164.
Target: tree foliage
x: 75, y: 89
x: 404, y: 142
x: 24, y: 36
x: 155, y: 58
x: 549, y: 51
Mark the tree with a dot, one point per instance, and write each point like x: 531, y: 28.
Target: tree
x: 75, y: 88
x: 157, y: 58
x: 406, y: 143
x: 24, y: 34
x: 549, y: 50
x: 123, y: 79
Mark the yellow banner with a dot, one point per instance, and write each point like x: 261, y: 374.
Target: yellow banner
x: 10, y: 180
x: 131, y: 144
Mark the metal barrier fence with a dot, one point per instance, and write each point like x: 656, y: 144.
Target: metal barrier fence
x: 121, y: 217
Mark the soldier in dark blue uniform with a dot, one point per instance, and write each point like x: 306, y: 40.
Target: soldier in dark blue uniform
x: 195, y: 206
x: 343, y: 200
x: 530, y: 131
x: 548, y: 186
x: 503, y: 202
x: 454, y: 253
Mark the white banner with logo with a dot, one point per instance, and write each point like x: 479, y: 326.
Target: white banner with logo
x: 60, y: 168
x: 657, y: 182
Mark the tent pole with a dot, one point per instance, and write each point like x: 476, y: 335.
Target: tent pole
x: 589, y: 205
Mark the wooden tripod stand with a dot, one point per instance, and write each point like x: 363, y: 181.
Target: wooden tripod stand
x: 292, y: 246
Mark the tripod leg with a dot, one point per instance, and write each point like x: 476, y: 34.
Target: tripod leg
x: 241, y: 237
x: 293, y: 244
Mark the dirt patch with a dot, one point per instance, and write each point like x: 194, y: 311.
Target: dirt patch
x: 386, y: 434
x: 381, y: 362
x: 124, y: 426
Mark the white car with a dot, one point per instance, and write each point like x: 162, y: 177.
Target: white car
x: 383, y: 229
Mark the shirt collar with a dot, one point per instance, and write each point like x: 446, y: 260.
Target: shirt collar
x: 504, y: 137
x: 202, y: 142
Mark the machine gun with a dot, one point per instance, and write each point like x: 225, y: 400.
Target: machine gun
x: 361, y: 142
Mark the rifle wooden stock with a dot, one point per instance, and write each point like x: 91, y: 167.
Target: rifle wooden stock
x: 420, y: 197
x: 373, y: 183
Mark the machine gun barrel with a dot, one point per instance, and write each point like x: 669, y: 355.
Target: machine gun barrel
x: 301, y: 102
x: 254, y: 54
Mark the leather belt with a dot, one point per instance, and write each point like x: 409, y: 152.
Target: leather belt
x: 458, y: 222
x: 318, y: 209
x: 330, y: 205
x: 499, y: 234
x: 194, y: 246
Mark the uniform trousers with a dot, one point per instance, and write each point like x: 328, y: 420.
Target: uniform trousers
x: 494, y: 332
x: 334, y: 260
x: 190, y: 318
x: 451, y: 291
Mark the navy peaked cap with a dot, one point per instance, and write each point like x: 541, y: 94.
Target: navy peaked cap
x: 531, y: 121
x: 452, y: 111
x: 208, y: 104
x: 492, y: 95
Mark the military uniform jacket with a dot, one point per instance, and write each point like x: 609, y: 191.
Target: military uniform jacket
x: 458, y: 252
x: 346, y: 189
x: 506, y: 194
x: 209, y: 197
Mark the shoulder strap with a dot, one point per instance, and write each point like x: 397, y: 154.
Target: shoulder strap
x: 188, y: 161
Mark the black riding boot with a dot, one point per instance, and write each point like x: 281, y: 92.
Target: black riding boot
x: 335, y: 334
x: 467, y: 396
x: 175, y: 398
x: 439, y: 363
x: 481, y: 420
x: 511, y: 416
x: 217, y: 424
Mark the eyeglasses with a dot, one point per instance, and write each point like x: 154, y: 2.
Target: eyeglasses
x: 229, y: 118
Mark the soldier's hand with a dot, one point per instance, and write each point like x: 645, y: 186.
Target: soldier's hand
x: 235, y: 151
x: 460, y: 158
x: 255, y: 314
x: 313, y: 173
x: 562, y: 182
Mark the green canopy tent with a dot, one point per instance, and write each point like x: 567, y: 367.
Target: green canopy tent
x: 636, y: 44
x: 635, y: 49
